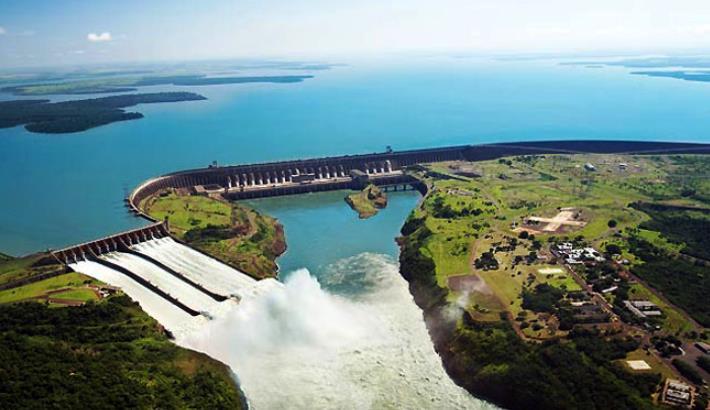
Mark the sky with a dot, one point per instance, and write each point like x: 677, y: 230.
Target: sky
x: 72, y: 32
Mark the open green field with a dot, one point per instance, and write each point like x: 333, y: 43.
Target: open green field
x: 80, y: 294
x: 186, y: 212
x: 234, y: 233
x: 19, y: 268
x: 73, y: 282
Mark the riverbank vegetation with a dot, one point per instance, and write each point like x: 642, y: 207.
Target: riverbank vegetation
x: 238, y: 235
x: 103, y: 349
x: 368, y: 201
x: 529, y: 329
x: 42, y: 116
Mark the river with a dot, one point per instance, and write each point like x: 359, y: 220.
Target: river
x: 344, y: 331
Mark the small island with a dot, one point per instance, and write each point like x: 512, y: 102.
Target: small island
x: 42, y: 116
x: 368, y: 201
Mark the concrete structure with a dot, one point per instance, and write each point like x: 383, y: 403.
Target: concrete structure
x: 385, y: 168
x: 677, y: 393
x: 638, y: 365
x: 642, y: 308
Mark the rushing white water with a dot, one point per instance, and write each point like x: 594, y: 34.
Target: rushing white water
x: 356, y: 341
x: 170, y: 316
x: 208, y: 272
x: 177, y: 288
x: 300, y: 346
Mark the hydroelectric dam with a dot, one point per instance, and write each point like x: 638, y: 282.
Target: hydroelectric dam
x: 183, y: 287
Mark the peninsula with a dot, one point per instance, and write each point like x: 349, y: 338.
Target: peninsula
x: 42, y: 116
x: 125, y: 84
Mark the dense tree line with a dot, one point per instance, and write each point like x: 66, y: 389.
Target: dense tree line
x: 680, y: 226
x: 107, y: 355
x: 685, y: 283
x: 79, y: 115
x: 493, y: 362
x: 544, y: 298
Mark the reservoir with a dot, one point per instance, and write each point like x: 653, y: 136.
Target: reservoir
x: 59, y: 190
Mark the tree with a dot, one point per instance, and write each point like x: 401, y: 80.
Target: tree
x: 611, y: 223
x: 523, y: 235
x: 613, y: 249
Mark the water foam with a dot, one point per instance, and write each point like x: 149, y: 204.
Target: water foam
x: 355, y: 347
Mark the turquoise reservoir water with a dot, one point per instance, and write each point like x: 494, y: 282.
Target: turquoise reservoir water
x: 62, y: 189
x: 321, y: 229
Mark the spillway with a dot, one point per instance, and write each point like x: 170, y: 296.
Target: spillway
x: 180, y: 290
x: 168, y: 314
x: 214, y: 275
x: 180, y: 287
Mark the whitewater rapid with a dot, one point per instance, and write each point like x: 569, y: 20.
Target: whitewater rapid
x: 362, y: 346
x: 355, y: 341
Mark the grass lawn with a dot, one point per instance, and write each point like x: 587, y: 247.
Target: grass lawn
x: 234, y: 233
x: 82, y: 294
x: 40, y: 288
x: 559, y: 278
x: 657, y: 365
x: 186, y: 212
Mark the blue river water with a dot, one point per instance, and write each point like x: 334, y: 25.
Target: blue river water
x: 57, y: 190
x: 315, y: 245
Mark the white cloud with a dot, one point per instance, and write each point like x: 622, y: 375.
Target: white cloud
x: 98, y: 38
x: 2, y: 30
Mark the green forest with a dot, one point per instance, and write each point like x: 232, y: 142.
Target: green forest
x: 42, y: 116
x: 105, y: 355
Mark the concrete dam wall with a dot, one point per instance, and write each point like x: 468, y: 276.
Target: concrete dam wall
x: 385, y: 168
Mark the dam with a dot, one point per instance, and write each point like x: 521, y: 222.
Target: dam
x: 237, y: 182
x: 182, y: 286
